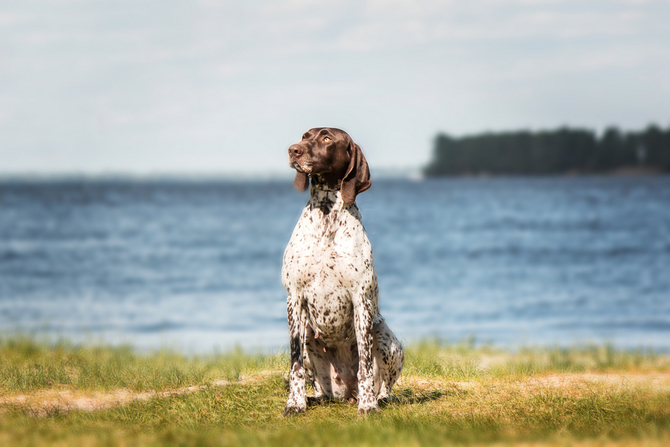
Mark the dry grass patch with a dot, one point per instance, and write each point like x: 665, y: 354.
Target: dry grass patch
x: 45, y: 402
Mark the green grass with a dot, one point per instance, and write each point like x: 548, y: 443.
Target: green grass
x: 464, y: 361
x: 27, y: 364
x: 451, y: 395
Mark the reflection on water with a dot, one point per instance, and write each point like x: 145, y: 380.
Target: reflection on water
x: 196, y: 265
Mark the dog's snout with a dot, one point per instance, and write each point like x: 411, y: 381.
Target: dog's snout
x: 295, y: 151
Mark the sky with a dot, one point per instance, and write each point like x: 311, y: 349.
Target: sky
x: 144, y: 87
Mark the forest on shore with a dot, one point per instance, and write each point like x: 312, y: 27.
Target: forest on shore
x: 564, y: 150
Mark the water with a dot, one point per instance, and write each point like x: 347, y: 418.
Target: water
x: 196, y: 265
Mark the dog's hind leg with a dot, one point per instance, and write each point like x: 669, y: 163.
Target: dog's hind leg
x: 388, y: 358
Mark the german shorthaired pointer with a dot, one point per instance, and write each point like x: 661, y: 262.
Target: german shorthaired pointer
x: 339, y: 341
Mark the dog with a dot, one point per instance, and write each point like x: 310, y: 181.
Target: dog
x: 339, y: 341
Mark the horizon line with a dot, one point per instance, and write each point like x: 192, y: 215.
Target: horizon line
x: 270, y: 175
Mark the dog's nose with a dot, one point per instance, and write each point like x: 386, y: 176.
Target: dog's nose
x: 295, y: 151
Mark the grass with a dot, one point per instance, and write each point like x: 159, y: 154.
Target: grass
x: 449, y: 395
x: 27, y: 364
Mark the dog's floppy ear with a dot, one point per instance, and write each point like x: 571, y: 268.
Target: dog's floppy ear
x: 357, y: 178
x: 301, y: 181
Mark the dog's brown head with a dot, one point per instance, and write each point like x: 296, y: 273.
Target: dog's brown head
x: 331, y: 155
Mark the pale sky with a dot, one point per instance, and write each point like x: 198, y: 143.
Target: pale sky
x: 224, y: 87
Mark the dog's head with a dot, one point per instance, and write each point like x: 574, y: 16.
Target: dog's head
x: 333, y: 156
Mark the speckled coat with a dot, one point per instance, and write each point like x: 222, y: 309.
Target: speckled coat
x: 339, y: 341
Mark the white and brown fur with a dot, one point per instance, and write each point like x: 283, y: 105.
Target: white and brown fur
x: 339, y: 341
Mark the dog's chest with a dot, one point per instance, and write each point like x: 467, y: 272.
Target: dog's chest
x: 327, y: 246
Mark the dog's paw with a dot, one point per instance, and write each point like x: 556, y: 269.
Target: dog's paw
x: 293, y: 410
x: 364, y: 410
x: 295, y: 406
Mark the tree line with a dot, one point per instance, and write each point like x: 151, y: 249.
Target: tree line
x: 550, y: 152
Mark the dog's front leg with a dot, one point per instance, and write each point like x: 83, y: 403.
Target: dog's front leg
x: 364, y: 312
x: 297, y: 399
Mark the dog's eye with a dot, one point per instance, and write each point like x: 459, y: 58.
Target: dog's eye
x: 326, y: 139
x: 304, y: 137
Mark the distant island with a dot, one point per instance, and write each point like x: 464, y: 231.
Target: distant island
x: 565, y: 150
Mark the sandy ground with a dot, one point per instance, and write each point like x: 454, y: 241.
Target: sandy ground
x: 48, y: 401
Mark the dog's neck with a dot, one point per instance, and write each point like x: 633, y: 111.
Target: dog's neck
x: 327, y: 210
x: 319, y: 182
x: 323, y: 197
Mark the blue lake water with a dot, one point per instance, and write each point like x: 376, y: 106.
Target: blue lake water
x: 196, y: 265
